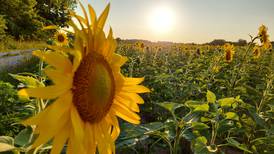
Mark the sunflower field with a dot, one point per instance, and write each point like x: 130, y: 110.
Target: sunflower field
x: 88, y: 93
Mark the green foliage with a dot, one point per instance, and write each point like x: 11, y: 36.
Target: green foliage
x: 180, y: 80
x: 25, y: 18
x: 3, y: 27
x: 55, y: 12
x: 10, y: 110
x: 21, y: 17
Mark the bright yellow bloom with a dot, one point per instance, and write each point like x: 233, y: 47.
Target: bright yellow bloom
x: 264, y: 37
x: 216, y: 69
x: 257, y: 52
x: 89, y: 92
x: 61, y: 38
x: 229, y: 52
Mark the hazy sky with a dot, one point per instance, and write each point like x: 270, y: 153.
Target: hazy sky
x: 191, y: 20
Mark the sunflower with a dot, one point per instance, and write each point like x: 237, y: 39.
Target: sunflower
x: 89, y: 92
x: 216, y: 69
x: 264, y: 37
x: 229, y: 52
x: 61, y: 38
x: 257, y: 52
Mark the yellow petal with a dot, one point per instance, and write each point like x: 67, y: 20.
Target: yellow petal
x: 69, y: 147
x: 99, y: 41
x: 48, y: 132
x: 52, y: 112
x: 125, y: 114
x: 118, y: 60
x: 90, y: 144
x: 129, y: 104
x: 59, y: 140
x: 76, y: 60
x: 85, y: 14
x: 132, y: 97
x: 135, y: 89
x: 77, y: 145
x: 77, y: 124
x: 133, y: 81
x: 112, y: 119
x: 103, y: 17
x: 49, y: 92
x: 105, y: 143
x: 59, y: 77
x: 55, y: 59
x: 92, y: 14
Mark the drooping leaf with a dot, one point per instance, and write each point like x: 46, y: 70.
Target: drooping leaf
x: 238, y: 145
x: 170, y: 106
x: 24, y: 137
x: 211, y: 97
x: 28, y: 81
x: 199, y: 125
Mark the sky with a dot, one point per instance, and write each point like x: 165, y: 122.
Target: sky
x: 187, y: 21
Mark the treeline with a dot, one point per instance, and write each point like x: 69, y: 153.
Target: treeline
x: 240, y: 42
x: 24, y: 19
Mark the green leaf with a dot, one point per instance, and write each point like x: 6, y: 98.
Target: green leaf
x: 6, y: 147
x: 227, y: 102
x: 204, y: 119
x: 23, y: 138
x: 28, y: 81
x: 197, y: 106
x: 231, y: 116
x: 170, y: 106
x: 259, y: 120
x: 211, y: 97
x: 200, y: 145
x: 202, y: 108
x: 199, y: 125
x: 236, y: 144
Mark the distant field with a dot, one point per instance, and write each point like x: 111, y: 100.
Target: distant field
x: 179, y: 76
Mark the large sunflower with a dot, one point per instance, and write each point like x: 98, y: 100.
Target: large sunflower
x: 89, y: 92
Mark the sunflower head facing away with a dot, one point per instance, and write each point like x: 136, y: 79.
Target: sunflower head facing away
x: 264, y: 37
x: 257, y: 52
x: 89, y: 92
x: 60, y: 38
x: 229, y: 52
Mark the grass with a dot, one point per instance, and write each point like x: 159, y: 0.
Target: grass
x: 11, y: 45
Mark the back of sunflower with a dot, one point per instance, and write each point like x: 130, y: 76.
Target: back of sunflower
x: 88, y: 93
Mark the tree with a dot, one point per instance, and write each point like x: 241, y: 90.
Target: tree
x: 55, y: 12
x: 21, y: 17
x: 218, y: 42
x: 242, y: 42
x: 25, y: 18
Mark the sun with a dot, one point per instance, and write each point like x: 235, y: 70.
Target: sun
x: 162, y: 19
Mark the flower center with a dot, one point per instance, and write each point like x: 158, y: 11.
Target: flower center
x: 60, y: 38
x: 93, y: 90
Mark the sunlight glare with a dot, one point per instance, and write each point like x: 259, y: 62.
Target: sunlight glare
x: 162, y: 19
